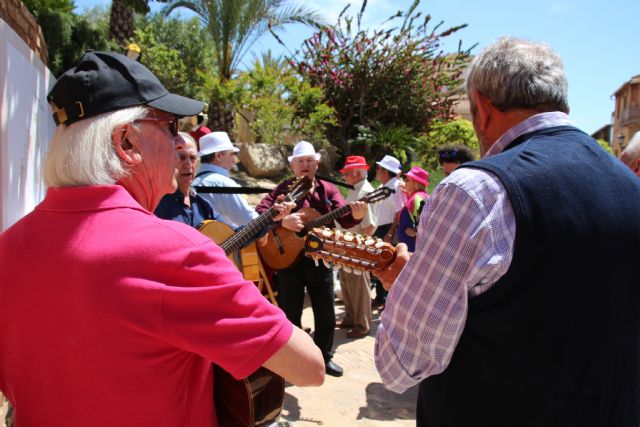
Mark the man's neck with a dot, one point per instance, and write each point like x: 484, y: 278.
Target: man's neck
x: 186, y: 198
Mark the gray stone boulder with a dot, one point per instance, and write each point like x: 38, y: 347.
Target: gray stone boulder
x: 262, y: 160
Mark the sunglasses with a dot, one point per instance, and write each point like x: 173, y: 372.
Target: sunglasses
x: 450, y: 155
x: 170, y: 119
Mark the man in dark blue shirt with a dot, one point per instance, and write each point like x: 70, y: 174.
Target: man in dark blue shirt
x: 185, y: 205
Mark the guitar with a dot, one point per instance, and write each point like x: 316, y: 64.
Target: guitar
x: 352, y: 252
x: 284, y: 247
x: 247, y: 260
x: 255, y: 401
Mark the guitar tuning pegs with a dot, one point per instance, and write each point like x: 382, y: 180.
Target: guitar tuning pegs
x: 357, y: 272
x: 326, y: 264
x: 336, y: 267
x: 346, y: 268
x: 326, y: 232
x: 348, y: 237
x: 369, y: 241
x: 315, y: 261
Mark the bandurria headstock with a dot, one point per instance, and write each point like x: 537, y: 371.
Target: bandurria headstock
x: 350, y: 251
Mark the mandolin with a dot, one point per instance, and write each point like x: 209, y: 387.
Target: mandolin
x: 352, y: 252
x: 284, y: 247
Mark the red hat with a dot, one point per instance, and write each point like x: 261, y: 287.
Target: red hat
x: 355, y: 162
x: 419, y: 175
x: 199, y: 133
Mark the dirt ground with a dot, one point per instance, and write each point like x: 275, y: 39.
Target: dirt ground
x: 358, y: 398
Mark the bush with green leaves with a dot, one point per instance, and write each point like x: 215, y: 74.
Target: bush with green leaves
x: 178, y: 51
x: 66, y: 34
x: 395, y: 77
x: 605, y: 145
x: 280, y: 103
x: 446, y: 132
x: 378, y: 140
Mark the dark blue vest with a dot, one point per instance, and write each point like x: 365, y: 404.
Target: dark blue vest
x: 556, y: 341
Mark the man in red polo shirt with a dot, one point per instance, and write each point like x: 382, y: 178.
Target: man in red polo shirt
x: 112, y: 316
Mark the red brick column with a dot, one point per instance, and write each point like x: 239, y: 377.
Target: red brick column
x: 14, y: 13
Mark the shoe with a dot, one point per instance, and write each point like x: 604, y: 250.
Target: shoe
x: 377, y: 305
x: 354, y: 333
x: 332, y: 369
x: 345, y: 325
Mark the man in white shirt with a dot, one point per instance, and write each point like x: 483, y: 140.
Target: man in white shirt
x: 217, y: 155
x: 355, y: 287
x: 387, y: 172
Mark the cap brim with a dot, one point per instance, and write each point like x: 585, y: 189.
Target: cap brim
x: 177, y: 105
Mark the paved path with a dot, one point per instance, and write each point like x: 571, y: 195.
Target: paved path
x: 356, y: 399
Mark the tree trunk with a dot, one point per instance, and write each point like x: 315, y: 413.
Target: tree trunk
x: 221, y: 118
x: 121, y: 23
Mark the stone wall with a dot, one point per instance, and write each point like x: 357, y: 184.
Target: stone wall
x: 14, y: 13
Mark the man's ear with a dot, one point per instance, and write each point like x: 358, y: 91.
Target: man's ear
x: 484, y: 109
x: 125, y: 141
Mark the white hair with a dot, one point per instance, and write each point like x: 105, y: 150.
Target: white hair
x: 632, y: 151
x: 83, y: 154
x: 514, y: 73
x: 363, y: 173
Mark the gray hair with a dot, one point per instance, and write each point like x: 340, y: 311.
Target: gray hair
x: 631, y: 151
x: 519, y: 74
x: 188, y: 138
x: 83, y: 154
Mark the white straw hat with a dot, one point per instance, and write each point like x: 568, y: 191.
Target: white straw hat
x: 214, y: 142
x: 390, y: 163
x: 303, y: 148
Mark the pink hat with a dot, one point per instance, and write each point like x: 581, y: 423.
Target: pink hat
x: 419, y: 175
x: 355, y: 162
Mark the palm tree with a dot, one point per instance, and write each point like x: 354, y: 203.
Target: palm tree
x: 235, y: 25
x: 121, y: 22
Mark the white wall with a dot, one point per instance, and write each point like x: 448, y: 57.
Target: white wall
x: 26, y: 126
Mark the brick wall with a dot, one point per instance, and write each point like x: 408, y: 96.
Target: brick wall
x: 14, y: 13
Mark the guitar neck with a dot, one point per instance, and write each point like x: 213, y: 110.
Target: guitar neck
x: 247, y: 234
x: 328, y: 218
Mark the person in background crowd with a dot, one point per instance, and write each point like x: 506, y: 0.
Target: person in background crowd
x: 387, y: 172
x: 116, y: 317
x: 217, y: 157
x: 185, y: 205
x: 416, y: 183
x: 199, y: 131
x: 519, y: 306
x: 452, y: 156
x: 356, y: 287
x: 304, y: 274
x: 630, y: 156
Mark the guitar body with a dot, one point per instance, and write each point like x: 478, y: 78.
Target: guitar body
x: 246, y: 260
x: 284, y: 247
x: 255, y: 401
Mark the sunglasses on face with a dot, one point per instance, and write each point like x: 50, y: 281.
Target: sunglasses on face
x: 447, y: 156
x: 170, y: 119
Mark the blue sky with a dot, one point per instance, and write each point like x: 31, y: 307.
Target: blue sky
x: 597, y: 40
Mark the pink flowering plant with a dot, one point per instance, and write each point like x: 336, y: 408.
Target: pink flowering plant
x: 393, y: 76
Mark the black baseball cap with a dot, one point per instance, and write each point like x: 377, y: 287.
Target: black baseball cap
x: 109, y: 81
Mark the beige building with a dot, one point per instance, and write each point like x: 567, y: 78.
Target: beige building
x: 626, y: 117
